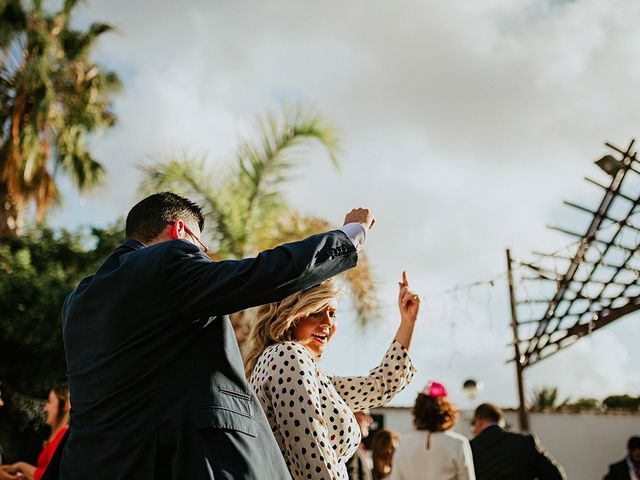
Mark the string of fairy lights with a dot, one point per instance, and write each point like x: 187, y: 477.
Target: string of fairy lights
x: 534, y: 283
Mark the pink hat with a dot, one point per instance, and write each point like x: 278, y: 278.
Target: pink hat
x: 435, y: 390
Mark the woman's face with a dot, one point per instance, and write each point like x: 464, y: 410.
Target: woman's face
x: 315, y: 331
x: 51, y: 409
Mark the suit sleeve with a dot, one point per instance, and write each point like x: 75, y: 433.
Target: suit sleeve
x: 199, y: 287
x: 381, y: 385
x: 548, y: 468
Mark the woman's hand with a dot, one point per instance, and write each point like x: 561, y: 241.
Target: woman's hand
x: 8, y: 472
x: 408, y: 302
x: 25, y: 471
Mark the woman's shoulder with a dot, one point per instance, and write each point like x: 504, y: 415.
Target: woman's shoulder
x: 281, y: 361
x: 286, y: 348
x: 455, y: 437
x: 55, y: 440
x: 448, y: 436
x: 413, y: 436
x: 285, y: 353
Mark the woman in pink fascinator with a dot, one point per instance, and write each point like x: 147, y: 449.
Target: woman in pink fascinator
x: 433, y: 451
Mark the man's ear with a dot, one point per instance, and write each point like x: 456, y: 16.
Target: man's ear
x: 177, y: 229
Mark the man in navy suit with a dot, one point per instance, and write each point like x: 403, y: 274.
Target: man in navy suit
x: 629, y: 467
x: 502, y: 455
x: 155, y: 375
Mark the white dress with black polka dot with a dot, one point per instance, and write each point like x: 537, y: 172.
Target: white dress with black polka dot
x: 311, y: 413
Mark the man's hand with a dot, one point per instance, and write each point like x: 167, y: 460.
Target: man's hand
x: 360, y: 215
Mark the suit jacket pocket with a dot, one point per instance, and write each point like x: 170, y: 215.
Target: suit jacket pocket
x: 229, y: 409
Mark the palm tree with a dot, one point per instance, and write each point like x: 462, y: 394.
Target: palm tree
x: 546, y: 398
x: 247, y: 207
x: 52, y: 96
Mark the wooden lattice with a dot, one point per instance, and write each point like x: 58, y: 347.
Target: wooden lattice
x: 593, y: 282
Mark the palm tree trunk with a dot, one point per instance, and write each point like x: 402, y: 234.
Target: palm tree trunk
x: 11, y: 208
x: 11, y: 215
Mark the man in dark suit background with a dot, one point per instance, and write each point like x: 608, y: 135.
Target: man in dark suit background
x: 155, y: 374
x: 502, y: 455
x: 629, y: 467
x: 358, y: 465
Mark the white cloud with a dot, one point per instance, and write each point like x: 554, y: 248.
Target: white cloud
x: 595, y: 367
x: 465, y: 124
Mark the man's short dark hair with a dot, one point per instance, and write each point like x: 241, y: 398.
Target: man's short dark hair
x: 633, y: 443
x: 150, y: 216
x: 490, y: 412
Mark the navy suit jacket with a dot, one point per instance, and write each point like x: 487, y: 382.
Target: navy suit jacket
x: 618, y: 471
x: 502, y: 455
x: 156, y: 380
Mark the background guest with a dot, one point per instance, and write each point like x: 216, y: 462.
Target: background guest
x: 57, y: 418
x: 629, y: 467
x: 383, y: 446
x: 358, y: 465
x: 433, y: 452
x: 502, y: 455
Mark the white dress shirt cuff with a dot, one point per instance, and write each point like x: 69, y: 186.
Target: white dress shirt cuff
x: 356, y: 233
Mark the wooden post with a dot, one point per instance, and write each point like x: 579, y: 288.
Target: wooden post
x: 522, y: 409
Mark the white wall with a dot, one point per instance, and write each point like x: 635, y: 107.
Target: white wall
x: 584, y: 444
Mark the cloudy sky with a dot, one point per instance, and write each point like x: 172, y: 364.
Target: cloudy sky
x: 463, y: 125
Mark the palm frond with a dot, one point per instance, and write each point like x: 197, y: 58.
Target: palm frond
x: 182, y: 174
x: 13, y: 21
x: 68, y: 6
x: 263, y: 165
x: 51, y: 100
x: 78, y: 44
x: 188, y: 176
x: 544, y: 398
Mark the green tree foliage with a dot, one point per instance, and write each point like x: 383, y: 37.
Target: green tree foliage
x: 622, y: 402
x: 545, y: 398
x: 52, y: 97
x: 246, y: 206
x: 582, y: 403
x: 38, y: 270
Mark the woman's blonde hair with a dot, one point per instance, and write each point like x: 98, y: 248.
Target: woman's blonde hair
x: 275, y: 322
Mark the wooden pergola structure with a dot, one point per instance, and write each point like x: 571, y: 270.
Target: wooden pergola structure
x: 589, y: 285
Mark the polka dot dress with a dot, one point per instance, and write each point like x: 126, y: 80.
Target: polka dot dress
x: 311, y: 414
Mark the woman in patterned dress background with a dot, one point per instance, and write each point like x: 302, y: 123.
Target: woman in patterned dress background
x: 310, y: 412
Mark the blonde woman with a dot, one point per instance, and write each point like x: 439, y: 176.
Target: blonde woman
x: 310, y: 412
